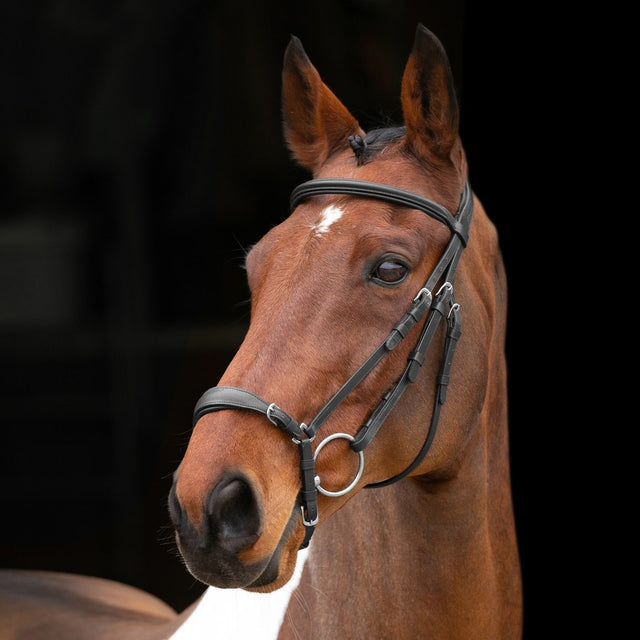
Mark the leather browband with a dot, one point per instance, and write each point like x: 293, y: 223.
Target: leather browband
x: 322, y: 186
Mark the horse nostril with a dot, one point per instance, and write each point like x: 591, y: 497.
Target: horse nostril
x: 233, y: 514
x: 175, y: 510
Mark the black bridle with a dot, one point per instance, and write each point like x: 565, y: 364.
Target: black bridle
x: 436, y: 307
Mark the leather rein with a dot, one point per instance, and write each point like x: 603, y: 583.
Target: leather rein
x: 436, y: 307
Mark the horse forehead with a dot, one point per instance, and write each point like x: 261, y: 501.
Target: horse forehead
x: 353, y: 227
x: 330, y: 214
x: 339, y: 213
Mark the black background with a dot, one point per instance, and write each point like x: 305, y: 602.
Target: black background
x: 141, y: 152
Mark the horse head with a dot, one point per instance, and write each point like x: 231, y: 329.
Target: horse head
x: 328, y: 285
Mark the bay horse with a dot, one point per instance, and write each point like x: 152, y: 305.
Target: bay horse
x: 331, y: 418
x: 326, y: 480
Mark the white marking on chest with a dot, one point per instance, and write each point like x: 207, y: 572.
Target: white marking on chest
x: 330, y: 215
x: 234, y: 614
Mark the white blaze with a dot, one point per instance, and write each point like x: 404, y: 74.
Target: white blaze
x: 330, y: 215
x: 235, y: 614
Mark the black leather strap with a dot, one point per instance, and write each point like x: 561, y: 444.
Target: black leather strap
x: 219, y: 398
x: 364, y: 189
x: 367, y: 432
x: 415, y: 313
x: 453, y: 333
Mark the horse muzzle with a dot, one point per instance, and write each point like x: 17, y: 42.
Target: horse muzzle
x: 222, y: 541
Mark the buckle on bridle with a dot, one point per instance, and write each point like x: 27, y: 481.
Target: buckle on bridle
x: 303, y: 429
x: 446, y: 285
x: 309, y: 523
x: 423, y: 291
x: 269, y: 415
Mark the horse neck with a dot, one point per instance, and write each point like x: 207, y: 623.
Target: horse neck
x: 444, y: 551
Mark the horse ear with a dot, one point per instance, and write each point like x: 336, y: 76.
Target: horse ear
x: 429, y: 99
x: 316, y: 123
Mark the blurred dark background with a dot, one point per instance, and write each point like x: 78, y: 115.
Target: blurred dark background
x: 140, y: 153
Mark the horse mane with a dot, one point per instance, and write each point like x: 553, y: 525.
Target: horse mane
x: 374, y: 142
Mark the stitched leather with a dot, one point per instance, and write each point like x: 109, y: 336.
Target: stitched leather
x: 218, y: 398
x: 378, y: 191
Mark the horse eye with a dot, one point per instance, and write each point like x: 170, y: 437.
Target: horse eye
x: 390, y: 272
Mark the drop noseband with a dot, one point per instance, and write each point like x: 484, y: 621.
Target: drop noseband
x: 436, y: 307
